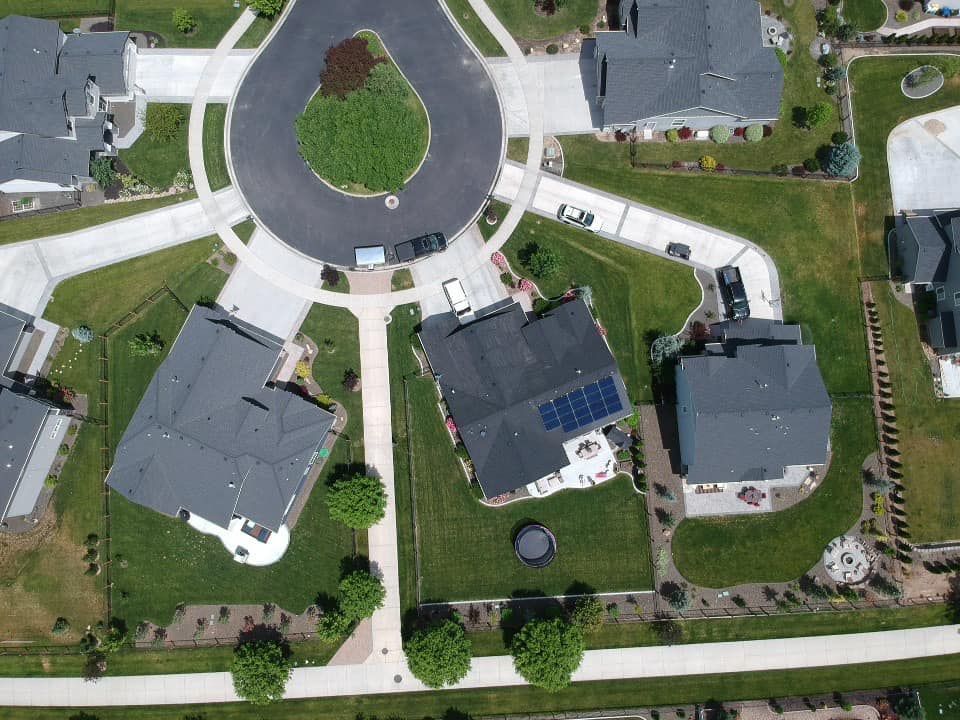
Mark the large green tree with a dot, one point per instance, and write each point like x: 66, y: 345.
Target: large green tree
x: 440, y: 655
x: 360, y: 595
x: 260, y: 671
x: 547, y: 652
x: 358, y: 502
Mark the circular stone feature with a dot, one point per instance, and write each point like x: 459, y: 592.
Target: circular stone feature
x: 848, y: 560
x: 392, y: 202
x: 922, y: 82
x: 535, y: 546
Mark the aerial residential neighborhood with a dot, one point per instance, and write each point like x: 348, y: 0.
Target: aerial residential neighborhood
x: 479, y: 359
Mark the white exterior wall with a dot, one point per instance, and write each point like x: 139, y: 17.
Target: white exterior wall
x: 32, y: 186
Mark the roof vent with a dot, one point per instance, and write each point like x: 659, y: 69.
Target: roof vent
x: 672, y: 63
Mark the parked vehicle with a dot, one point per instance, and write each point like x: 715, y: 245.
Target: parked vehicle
x: 420, y: 246
x: 579, y: 218
x: 678, y: 250
x: 457, y: 297
x: 734, y: 293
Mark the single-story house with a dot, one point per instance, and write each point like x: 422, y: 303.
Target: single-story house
x: 529, y: 395
x: 687, y: 63
x: 752, y: 406
x: 924, y: 255
x: 31, y: 430
x: 58, y: 95
x: 216, y: 442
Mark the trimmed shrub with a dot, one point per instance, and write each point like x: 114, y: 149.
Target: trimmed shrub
x: 183, y: 21
x: 673, y: 135
x: 82, y: 334
x: 811, y: 164
x: 162, y: 122
x: 839, y: 137
x: 101, y: 170
x: 708, y: 163
x: 780, y: 169
x: 347, y: 68
x: 588, y: 614
x: 754, y: 133
x: 720, y: 134
x: 267, y: 8
x: 543, y: 262
x: 819, y: 114
x: 332, y: 626
x: 553, y: 49
x: 585, y: 29
x: 61, y: 626
x: 685, y: 133
x: 767, y: 130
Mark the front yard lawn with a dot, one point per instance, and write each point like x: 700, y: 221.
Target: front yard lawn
x: 214, y: 18
x: 636, y: 295
x: 878, y: 107
x: 806, y: 227
x: 157, y: 163
x: 466, y: 549
x: 782, y: 546
x: 525, y: 23
x: 474, y: 28
x: 214, y: 155
x: 928, y: 428
x: 865, y: 15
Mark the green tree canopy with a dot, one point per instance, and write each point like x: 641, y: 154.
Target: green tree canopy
x: 819, y: 114
x: 843, y: 160
x: 542, y: 261
x: 588, y: 614
x: 358, y: 502
x: 267, y: 8
x: 260, y: 671
x: 547, y: 652
x: 361, y: 594
x: 440, y: 655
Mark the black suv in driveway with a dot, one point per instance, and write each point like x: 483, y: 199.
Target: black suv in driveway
x: 679, y: 250
x: 420, y: 246
x: 733, y: 292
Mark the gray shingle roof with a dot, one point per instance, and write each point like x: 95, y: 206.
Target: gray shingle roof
x: 208, y: 437
x: 745, y: 415
x: 678, y: 55
x: 98, y: 56
x: 495, y: 371
x: 29, y: 157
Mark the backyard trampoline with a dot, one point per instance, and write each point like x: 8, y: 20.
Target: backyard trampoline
x: 535, y: 546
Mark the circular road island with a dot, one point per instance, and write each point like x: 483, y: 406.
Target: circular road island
x: 466, y: 130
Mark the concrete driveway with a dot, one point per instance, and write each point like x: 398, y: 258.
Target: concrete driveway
x: 171, y: 76
x: 569, y: 92
x: 466, y: 130
x: 923, y: 156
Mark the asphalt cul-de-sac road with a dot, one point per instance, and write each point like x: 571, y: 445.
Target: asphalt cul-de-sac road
x: 466, y: 130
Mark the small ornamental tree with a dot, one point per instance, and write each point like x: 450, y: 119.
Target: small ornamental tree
x: 679, y: 599
x: 330, y: 275
x: 673, y: 135
x: 260, y: 671
x: 358, y: 502
x: 819, y: 114
x: 839, y: 137
x: 843, y: 160
x: 708, y: 163
x: 588, y: 614
x: 360, y: 594
x: 267, y: 8
x: 440, y: 655
x: 544, y: 262
x: 333, y: 625
x: 162, y: 122
x: 348, y: 66
x: 811, y: 164
x: 547, y: 652
x: 720, y: 134
x: 183, y: 21
x: 144, y: 345
x: 753, y: 133
x: 685, y: 133
x: 82, y: 334
x: 101, y: 170
x: 61, y: 626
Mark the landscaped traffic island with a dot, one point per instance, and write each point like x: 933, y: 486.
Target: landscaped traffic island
x: 365, y: 131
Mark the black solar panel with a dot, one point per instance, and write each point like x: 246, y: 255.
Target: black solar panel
x: 582, y: 407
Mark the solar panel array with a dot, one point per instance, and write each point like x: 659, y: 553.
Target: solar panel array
x: 582, y: 407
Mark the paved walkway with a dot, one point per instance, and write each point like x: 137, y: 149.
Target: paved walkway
x: 923, y: 155
x: 172, y: 75
x: 498, y: 671
x: 30, y: 270
x: 651, y: 230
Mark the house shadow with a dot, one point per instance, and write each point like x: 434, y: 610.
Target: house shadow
x: 669, y: 434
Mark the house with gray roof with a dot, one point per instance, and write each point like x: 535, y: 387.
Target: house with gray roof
x: 31, y: 429
x: 687, y: 63
x: 752, y: 406
x: 58, y: 94
x: 925, y: 256
x: 215, y: 441
x: 528, y: 395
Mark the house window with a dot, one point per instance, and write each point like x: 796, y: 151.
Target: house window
x: 941, y: 292
x: 24, y: 204
x: 956, y: 299
x: 679, y: 122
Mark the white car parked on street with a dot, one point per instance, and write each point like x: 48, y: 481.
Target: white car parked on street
x: 579, y: 218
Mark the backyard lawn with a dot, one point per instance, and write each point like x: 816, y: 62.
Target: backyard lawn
x: 878, y: 107
x: 631, y: 309
x: 55, y: 8
x: 806, y: 227
x: 214, y: 18
x: 782, y: 546
x: 865, y: 15
x: 928, y: 428
x: 466, y: 549
x: 157, y: 163
x: 185, y: 566
x: 214, y: 156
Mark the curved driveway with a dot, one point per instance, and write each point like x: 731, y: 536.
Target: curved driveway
x: 466, y: 129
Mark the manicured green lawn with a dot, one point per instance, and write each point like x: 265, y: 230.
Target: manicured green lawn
x: 651, y: 692
x: 806, y: 227
x: 866, y: 15
x: 157, y: 163
x: 466, y: 549
x: 878, y: 107
x: 928, y: 428
x: 214, y: 18
x: 214, y: 157
x: 54, y: 8
x: 474, y: 28
x: 30, y: 228
x: 636, y: 295
x: 941, y: 701
x: 634, y: 634
x: 186, y: 566
x: 789, y: 144
x: 519, y: 17
x: 781, y: 546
